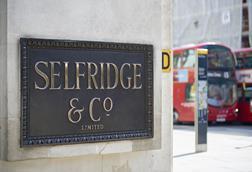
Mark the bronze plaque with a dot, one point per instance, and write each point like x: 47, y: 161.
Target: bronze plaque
x: 82, y: 91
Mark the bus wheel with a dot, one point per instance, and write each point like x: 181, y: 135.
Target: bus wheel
x: 175, y: 117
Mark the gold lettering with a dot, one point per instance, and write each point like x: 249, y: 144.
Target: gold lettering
x: 108, y: 76
x: 54, y: 75
x: 78, y: 74
x: 42, y: 74
x: 122, y: 76
x: 101, y: 126
x: 91, y: 76
x: 109, y: 100
x: 73, y: 110
x: 137, y: 75
x: 91, y: 106
x: 92, y: 127
x: 97, y: 76
x: 66, y: 78
x: 102, y: 75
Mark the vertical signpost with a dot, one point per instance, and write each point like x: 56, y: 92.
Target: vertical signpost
x: 201, y: 111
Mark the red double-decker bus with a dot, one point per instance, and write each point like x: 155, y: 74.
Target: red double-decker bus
x: 222, y: 86
x: 244, y: 79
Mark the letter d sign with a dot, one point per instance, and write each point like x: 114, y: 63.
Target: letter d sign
x: 166, y: 60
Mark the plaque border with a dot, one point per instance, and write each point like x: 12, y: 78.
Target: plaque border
x: 27, y: 140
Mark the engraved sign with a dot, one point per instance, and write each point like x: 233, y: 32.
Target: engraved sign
x: 82, y: 91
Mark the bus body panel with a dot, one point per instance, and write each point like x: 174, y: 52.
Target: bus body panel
x: 182, y: 106
x: 224, y: 114
x: 186, y: 108
x: 244, y: 79
x: 245, y: 113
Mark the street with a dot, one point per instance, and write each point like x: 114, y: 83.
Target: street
x: 229, y: 149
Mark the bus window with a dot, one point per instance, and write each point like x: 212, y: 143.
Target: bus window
x: 248, y: 62
x: 248, y: 92
x: 219, y: 57
x: 239, y: 92
x: 186, y: 59
x: 190, y: 92
x: 240, y: 63
x: 221, y: 94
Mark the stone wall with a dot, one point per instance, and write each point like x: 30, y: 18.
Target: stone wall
x: 131, y: 21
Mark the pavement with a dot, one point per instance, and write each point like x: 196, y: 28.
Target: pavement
x: 229, y: 149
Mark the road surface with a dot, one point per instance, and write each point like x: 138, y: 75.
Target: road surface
x: 229, y: 149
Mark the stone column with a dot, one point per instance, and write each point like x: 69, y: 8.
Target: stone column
x: 167, y: 83
x: 3, y: 76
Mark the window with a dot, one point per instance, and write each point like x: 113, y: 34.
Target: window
x: 190, y: 92
x: 222, y: 93
x: 220, y: 57
x: 184, y: 59
x: 244, y: 60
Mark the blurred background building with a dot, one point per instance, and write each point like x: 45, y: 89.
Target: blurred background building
x: 225, y: 21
